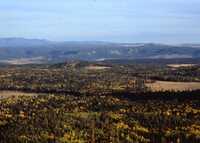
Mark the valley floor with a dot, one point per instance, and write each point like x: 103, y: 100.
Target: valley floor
x: 83, y: 102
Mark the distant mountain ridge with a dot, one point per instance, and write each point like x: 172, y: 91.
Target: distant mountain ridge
x: 21, y: 48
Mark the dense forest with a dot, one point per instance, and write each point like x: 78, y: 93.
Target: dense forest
x: 80, y: 102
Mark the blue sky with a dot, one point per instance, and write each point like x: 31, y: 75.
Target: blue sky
x: 163, y: 21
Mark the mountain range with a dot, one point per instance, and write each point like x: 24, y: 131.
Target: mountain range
x: 21, y: 49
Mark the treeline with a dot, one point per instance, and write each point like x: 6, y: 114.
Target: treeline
x: 160, y: 95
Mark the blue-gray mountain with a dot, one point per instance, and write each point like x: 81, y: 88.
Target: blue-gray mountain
x: 20, y: 48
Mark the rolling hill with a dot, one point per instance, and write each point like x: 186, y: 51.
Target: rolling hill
x: 16, y: 50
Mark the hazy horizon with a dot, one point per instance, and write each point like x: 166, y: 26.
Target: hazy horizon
x: 128, y: 21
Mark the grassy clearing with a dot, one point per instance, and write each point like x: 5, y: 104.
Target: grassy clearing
x: 91, y: 67
x: 14, y: 94
x: 176, y: 86
x: 180, y: 65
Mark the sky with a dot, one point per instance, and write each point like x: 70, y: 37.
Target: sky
x: 161, y: 21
